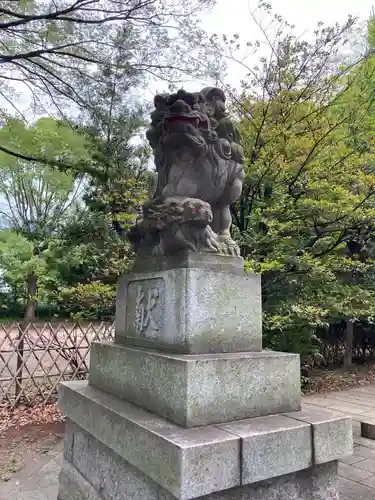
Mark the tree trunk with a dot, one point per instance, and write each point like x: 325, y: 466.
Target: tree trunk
x: 349, y: 334
x: 29, y: 317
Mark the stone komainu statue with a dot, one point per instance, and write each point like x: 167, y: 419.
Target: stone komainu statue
x: 199, y: 164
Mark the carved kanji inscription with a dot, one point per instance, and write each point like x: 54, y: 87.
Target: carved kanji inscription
x: 145, y: 308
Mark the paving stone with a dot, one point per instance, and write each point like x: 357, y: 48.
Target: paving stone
x: 59, y: 459
x: 317, y: 401
x: 370, y: 481
x: 330, y: 404
x: 51, y: 492
x: 336, y: 403
x: 356, y: 400
x: 350, y: 472
x: 366, y: 464
x: 46, y: 474
x: 368, y: 443
x: 352, y: 459
x: 362, y: 451
x: 361, y: 389
x: 355, y: 490
x: 368, y: 415
x: 32, y: 464
x: 349, y: 393
x: 347, y: 407
x: 369, y: 389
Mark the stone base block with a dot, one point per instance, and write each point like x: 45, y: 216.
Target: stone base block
x: 190, y: 311
x: 111, y: 441
x: 186, y: 462
x: 332, y: 433
x: 91, y: 471
x: 276, y: 445
x: 199, y: 390
x: 368, y: 429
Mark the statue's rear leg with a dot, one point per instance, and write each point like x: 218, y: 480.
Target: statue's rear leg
x: 222, y: 220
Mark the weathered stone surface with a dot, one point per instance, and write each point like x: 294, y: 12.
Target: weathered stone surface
x: 318, y: 483
x: 190, y: 311
x: 106, y: 471
x: 199, y: 164
x: 189, y: 260
x: 72, y: 486
x: 368, y: 429
x: 272, y: 446
x: 186, y: 462
x: 332, y: 433
x: 199, y: 390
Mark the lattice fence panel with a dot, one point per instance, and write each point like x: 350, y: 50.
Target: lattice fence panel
x: 36, y: 358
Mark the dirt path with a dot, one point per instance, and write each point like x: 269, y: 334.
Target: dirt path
x: 20, y: 448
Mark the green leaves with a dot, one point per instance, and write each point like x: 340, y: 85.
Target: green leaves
x: 38, y: 197
x: 17, y: 260
x: 37, y: 201
x: 88, y: 301
x: 307, y: 210
x: 371, y: 33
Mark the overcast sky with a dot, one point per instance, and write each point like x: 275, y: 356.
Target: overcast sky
x: 303, y: 13
x: 231, y: 16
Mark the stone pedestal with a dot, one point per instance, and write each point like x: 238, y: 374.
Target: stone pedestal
x: 190, y: 310
x: 185, y: 404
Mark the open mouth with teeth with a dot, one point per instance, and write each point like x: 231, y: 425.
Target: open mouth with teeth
x: 194, y: 120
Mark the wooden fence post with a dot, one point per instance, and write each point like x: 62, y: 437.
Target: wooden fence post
x: 20, y: 354
x: 29, y: 317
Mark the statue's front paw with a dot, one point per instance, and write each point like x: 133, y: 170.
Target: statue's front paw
x: 211, y: 240
x: 228, y: 246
